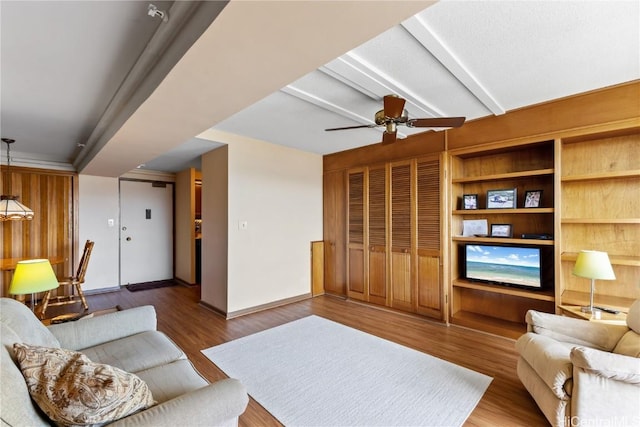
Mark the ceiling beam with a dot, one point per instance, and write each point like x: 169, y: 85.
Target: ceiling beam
x: 354, y: 68
x: 423, y: 34
x: 329, y: 106
x: 187, y: 21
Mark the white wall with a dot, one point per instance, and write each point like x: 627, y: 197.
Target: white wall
x: 277, y: 191
x: 99, y: 202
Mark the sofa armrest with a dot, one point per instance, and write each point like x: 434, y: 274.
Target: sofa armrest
x: 92, y: 331
x: 611, y: 366
x: 220, y: 403
x: 602, y: 336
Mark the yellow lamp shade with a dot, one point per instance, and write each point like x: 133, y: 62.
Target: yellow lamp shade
x: 32, y: 276
x: 594, y: 265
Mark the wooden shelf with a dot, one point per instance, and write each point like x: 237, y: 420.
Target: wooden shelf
x: 600, y: 220
x: 582, y: 298
x: 603, y: 317
x: 635, y: 173
x: 633, y: 261
x: 533, y: 242
x: 503, y: 211
x: 503, y: 176
x: 489, y: 324
x: 505, y: 290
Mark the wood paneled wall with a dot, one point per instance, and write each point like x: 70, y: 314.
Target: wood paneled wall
x: 52, y: 195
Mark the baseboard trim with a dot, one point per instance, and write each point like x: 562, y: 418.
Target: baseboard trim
x: 184, y: 282
x: 102, y: 290
x: 209, y: 307
x: 267, y: 306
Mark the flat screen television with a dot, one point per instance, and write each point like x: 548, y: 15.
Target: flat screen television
x: 520, y: 266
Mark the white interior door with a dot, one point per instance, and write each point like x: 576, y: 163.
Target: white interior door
x: 146, y: 232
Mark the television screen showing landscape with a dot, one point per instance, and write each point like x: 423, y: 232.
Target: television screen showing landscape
x: 502, y: 264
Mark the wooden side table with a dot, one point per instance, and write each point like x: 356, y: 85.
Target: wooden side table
x: 575, y: 311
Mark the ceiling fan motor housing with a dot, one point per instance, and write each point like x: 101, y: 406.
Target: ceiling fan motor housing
x: 382, y: 119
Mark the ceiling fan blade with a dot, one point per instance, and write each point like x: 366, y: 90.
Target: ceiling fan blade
x: 352, y: 127
x: 388, y: 137
x: 393, y: 106
x: 437, y: 122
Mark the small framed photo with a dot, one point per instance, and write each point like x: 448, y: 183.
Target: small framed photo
x: 470, y: 201
x: 501, y: 199
x: 532, y: 198
x: 501, y: 230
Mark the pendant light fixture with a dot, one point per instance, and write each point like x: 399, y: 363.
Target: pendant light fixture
x: 10, y: 207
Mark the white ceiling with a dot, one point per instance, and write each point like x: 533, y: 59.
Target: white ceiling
x: 286, y: 78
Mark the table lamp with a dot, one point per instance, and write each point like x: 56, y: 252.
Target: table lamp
x: 593, y: 265
x: 32, y: 276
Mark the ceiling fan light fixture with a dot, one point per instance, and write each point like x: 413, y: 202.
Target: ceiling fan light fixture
x: 10, y: 207
x: 394, y: 114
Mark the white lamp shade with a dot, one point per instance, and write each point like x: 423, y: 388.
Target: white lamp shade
x: 32, y: 276
x: 11, y: 208
x: 594, y: 265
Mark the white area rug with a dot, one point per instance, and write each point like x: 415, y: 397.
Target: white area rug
x: 316, y: 372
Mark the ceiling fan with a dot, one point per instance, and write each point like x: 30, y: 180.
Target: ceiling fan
x: 394, y: 114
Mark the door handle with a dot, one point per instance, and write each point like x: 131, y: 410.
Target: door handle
x: 128, y: 239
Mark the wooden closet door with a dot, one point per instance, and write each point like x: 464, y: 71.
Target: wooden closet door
x: 377, y: 235
x: 429, y: 287
x: 334, y: 232
x: 402, y: 291
x: 356, y: 285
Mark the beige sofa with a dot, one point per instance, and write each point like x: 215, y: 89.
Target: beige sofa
x: 128, y: 340
x: 581, y: 372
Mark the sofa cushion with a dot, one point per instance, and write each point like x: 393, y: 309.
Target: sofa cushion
x: 71, y: 389
x: 172, y: 380
x: 550, y: 360
x: 629, y: 344
x: 576, y: 331
x: 633, y: 317
x: 137, y: 352
x: 21, y: 320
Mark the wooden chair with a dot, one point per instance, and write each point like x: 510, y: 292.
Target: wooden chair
x: 74, y: 282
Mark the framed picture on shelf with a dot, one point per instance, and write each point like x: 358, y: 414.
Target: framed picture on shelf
x: 474, y: 227
x: 501, y: 199
x: 501, y: 230
x: 470, y: 201
x: 532, y: 198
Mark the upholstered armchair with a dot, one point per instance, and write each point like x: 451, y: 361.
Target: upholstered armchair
x: 581, y: 372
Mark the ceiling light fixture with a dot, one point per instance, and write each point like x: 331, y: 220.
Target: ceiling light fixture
x: 10, y: 207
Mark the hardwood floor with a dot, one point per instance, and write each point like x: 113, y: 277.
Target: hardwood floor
x: 193, y: 328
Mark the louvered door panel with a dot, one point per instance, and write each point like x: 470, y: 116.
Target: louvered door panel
x: 429, y: 288
x: 356, y: 208
x: 377, y: 235
x: 401, y: 231
x: 356, y: 225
